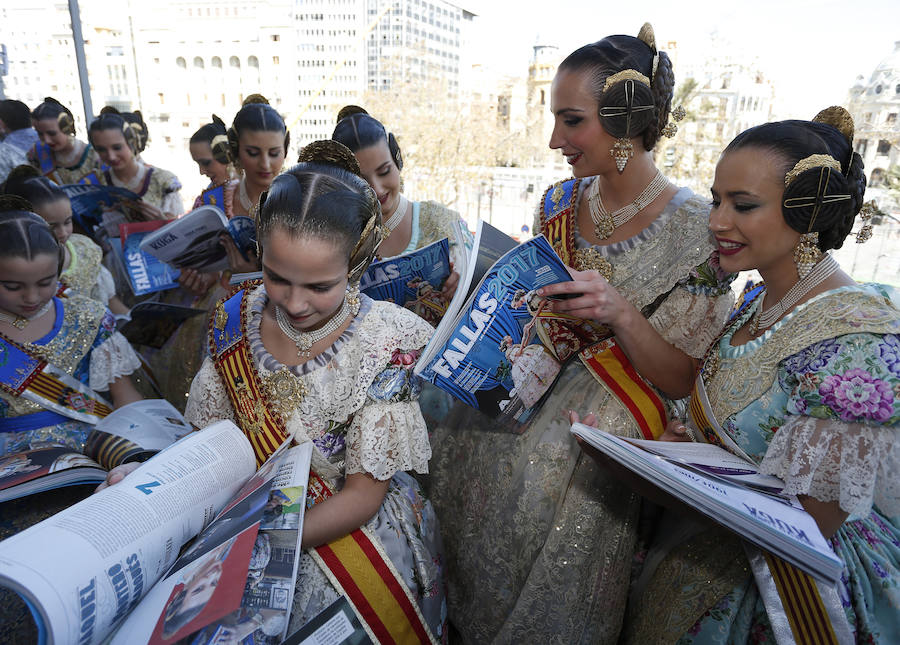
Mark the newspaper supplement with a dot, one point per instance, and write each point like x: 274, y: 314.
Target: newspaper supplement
x: 82, y: 570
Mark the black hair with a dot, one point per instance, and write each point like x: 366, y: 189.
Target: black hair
x: 357, y: 130
x: 614, y: 54
x: 130, y: 124
x: 29, y: 184
x: 794, y: 140
x: 51, y: 109
x: 24, y: 233
x: 15, y: 114
x: 256, y: 115
x: 327, y: 199
x: 207, y: 134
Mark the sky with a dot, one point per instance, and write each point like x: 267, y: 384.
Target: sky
x: 812, y: 50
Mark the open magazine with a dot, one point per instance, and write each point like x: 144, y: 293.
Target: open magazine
x: 133, y: 432
x: 95, y: 205
x: 116, y: 560
x: 487, y: 351
x: 193, y: 240
x: 730, y: 491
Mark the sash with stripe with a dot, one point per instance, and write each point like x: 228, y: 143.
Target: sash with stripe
x: 44, y: 157
x: 24, y: 374
x: 214, y: 196
x: 798, y: 596
x: 356, y: 564
x: 93, y: 178
x: 145, y: 185
x: 594, y: 344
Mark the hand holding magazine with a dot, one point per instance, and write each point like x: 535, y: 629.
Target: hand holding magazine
x: 87, y: 568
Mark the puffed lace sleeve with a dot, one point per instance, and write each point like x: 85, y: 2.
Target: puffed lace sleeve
x: 105, y: 287
x: 388, y: 434
x: 207, y: 401
x: 171, y: 202
x: 111, y: 356
x: 692, y: 316
x: 842, y: 440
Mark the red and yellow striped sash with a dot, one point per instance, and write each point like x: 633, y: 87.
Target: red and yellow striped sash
x: 802, y: 603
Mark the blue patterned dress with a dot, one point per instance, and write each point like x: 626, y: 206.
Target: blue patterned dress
x: 816, y: 401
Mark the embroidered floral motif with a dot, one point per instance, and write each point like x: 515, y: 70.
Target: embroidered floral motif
x: 855, y: 395
x: 709, y: 278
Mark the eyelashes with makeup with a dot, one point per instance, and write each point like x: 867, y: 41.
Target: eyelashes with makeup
x: 572, y: 122
x: 741, y: 208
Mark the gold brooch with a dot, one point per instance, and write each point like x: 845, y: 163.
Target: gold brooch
x: 557, y: 195
x: 220, y: 320
x: 285, y: 391
x: 590, y: 259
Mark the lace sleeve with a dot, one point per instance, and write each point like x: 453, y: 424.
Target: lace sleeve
x: 111, y: 359
x: 691, y: 321
x: 171, y: 203
x: 386, y: 438
x: 105, y: 287
x: 207, y: 401
x: 854, y: 464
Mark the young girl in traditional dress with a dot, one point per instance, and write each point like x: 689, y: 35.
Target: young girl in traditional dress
x: 83, y: 273
x: 333, y: 367
x: 59, y: 155
x: 76, y: 335
x: 119, y: 140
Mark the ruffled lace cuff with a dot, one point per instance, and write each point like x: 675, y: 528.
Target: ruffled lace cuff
x: 856, y: 465
x: 691, y: 321
x: 171, y: 203
x: 111, y: 359
x: 105, y: 287
x: 207, y: 401
x: 386, y: 438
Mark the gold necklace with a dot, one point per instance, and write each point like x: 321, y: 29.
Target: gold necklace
x: 605, y: 223
x: 304, y: 340
x: 21, y: 323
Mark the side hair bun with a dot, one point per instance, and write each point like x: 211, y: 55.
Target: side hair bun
x: 647, y: 36
x: 330, y: 152
x: 839, y: 118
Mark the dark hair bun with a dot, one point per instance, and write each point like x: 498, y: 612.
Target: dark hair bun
x: 21, y: 173
x: 109, y: 109
x: 349, y: 110
x: 11, y: 203
x: 626, y: 107
x: 330, y: 152
x: 255, y: 98
x: 816, y: 200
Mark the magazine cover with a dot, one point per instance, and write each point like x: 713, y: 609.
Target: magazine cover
x: 25, y: 473
x: 412, y: 280
x: 193, y: 241
x: 90, y: 201
x: 146, y: 274
x: 493, y: 358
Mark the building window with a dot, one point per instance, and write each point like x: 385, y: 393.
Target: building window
x: 198, y: 62
x: 276, y: 37
x: 891, y: 118
x: 253, y: 61
x: 275, y: 60
x: 216, y: 62
x: 234, y: 62
x: 181, y: 62
x: 884, y: 147
x: 162, y: 98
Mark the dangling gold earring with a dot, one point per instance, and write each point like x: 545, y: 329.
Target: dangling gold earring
x: 622, y: 151
x: 353, y: 298
x: 807, y: 253
x: 865, y: 214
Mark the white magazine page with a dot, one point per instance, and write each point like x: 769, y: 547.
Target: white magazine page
x: 86, y: 567
x: 153, y: 424
x: 191, y: 241
x: 713, y: 460
x: 204, y: 596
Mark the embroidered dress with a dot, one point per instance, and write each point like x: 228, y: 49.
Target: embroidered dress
x: 361, y: 413
x: 815, y: 401
x: 539, y: 539
x: 85, y: 274
x: 85, y: 344
x: 155, y: 186
x: 86, y: 162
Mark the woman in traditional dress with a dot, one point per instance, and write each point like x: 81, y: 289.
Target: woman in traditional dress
x: 256, y: 143
x: 76, y: 335
x: 534, y: 530
x: 83, y: 272
x: 805, y: 382
x: 412, y: 225
x: 59, y: 155
x: 119, y: 139
x: 215, y: 166
x: 335, y: 368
